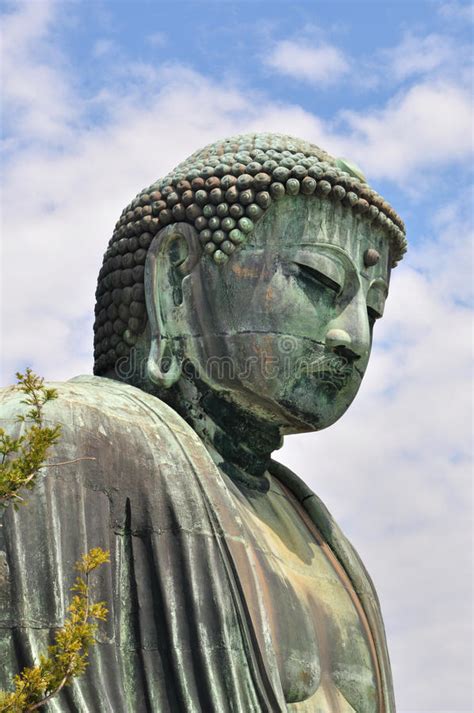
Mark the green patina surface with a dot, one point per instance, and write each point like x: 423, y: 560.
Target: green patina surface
x: 230, y: 588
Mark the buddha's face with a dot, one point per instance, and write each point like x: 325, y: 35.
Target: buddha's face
x: 285, y: 327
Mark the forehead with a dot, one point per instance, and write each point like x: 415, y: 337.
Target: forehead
x: 322, y: 226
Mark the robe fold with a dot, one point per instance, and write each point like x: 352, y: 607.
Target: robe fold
x: 187, y: 629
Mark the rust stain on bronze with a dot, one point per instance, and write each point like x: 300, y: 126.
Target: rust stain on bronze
x: 269, y: 295
x: 244, y: 271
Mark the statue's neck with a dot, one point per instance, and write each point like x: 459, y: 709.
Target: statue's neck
x: 240, y: 444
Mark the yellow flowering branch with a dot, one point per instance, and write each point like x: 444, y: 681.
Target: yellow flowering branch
x: 67, y: 658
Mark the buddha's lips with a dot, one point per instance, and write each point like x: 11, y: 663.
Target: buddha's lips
x: 331, y: 369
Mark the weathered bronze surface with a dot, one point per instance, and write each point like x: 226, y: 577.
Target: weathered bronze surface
x: 235, y: 305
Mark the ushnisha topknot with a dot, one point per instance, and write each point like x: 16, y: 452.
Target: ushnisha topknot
x: 222, y: 190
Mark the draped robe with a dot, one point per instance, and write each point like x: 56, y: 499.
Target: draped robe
x: 188, y: 627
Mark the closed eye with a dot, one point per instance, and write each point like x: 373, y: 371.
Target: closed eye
x: 376, y: 302
x: 313, y: 275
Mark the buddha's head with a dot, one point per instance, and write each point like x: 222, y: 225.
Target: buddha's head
x: 255, y: 271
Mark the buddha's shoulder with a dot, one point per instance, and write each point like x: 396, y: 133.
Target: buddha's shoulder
x: 118, y: 446
x: 103, y: 406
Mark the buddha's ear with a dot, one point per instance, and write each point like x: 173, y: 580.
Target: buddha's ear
x: 171, y: 256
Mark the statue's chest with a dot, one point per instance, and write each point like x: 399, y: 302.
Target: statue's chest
x: 320, y: 637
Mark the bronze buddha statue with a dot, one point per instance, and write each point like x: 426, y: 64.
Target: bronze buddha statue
x: 235, y: 306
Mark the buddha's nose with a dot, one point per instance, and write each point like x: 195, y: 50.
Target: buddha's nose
x: 340, y: 342
x: 338, y: 338
x: 349, y: 334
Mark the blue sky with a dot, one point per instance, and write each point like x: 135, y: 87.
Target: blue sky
x: 102, y: 98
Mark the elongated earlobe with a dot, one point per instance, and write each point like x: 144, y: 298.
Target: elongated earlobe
x: 162, y: 367
x: 171, y: 257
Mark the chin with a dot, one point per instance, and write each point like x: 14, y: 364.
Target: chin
x: 314, y: 409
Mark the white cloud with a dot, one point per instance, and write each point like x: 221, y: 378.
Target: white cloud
x: 457, y: 11
x: 319, y: 65
x: 426, y: 126
x: 453, y: 224
x: 420, y: 55
x: 432, y: 57
x: 33, y: 84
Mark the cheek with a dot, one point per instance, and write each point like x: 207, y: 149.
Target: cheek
x: 260, y: 362
x: 221, y: 300
x: 300, y: 306
x: 276, y: 304
x: 253, y: 318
